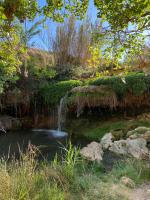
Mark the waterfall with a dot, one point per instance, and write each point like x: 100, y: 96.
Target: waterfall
x: 62, y: 111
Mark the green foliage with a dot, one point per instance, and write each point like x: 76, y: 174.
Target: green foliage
x: 26, y: 34
x: 51, y: 93
x: 135, y: 83
x: 43, y: 73
x: 138, y: 171
x: 26, y: 178
x: 9, y: 54
x: 126, y: 22
x: 92, y: 129
x: 12, y: 47
x: 54, y: 9
x: 121, y: 13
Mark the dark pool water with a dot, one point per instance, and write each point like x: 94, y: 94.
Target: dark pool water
x: 48, y: 142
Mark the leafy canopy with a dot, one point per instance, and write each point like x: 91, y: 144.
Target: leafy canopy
x: 126, y: 21
x: 55, y: 9
x: 11, y: 11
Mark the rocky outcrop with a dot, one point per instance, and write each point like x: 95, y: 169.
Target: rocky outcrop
x: 93, y: 152
x: 133, y: 147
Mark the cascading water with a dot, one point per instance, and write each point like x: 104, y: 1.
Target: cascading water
x: 62, y: 111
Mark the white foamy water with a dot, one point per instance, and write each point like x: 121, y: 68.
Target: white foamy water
x: 53, y: 133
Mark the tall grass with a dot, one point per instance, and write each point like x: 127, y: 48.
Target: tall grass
x: 69, y: 178
x: 137, y: 170
x: 26, y: 179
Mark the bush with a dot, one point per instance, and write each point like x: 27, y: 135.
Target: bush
x: 136, y: 83
x: 52, y: 93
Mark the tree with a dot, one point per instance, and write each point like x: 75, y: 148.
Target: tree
x: 55, y: 9
x: 120, y: 13
x: 20, y: 10
x: 126, y: 21
x: 25, y: 36
x: 140, y: 62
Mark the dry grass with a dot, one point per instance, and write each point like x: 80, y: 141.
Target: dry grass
x: 93, y: 96
x: 104, y: 97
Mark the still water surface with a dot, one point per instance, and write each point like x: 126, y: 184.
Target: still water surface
x: 49, y: 142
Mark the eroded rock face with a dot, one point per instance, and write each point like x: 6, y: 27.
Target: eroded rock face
x: 92, y: 151
x: 107, y: 141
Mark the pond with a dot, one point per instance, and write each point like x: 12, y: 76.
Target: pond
x: 49, y: 142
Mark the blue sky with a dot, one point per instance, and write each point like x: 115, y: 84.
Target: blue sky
x: 92, y: 12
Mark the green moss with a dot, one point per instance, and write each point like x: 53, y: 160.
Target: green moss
x: 104, y: 128
x: 137, y: 83
x: 95, y: 130
x: 51, y: 93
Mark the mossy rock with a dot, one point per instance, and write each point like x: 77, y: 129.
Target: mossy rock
x: 118, y: 134
x: 138, y: 131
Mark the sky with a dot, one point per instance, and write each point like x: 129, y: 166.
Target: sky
x: 92, y: 13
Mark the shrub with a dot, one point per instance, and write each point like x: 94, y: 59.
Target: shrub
x: 137, y: 83
x: 52, y: 93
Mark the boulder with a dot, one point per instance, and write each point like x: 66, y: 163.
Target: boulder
x: 127, y: 182
x: 137, y: 148
x: 107, y: 141
x: 133, y: 147
x: 93, y: 152
x: 145, y: 136
x: 119, y: 147
x: 138, y: 131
